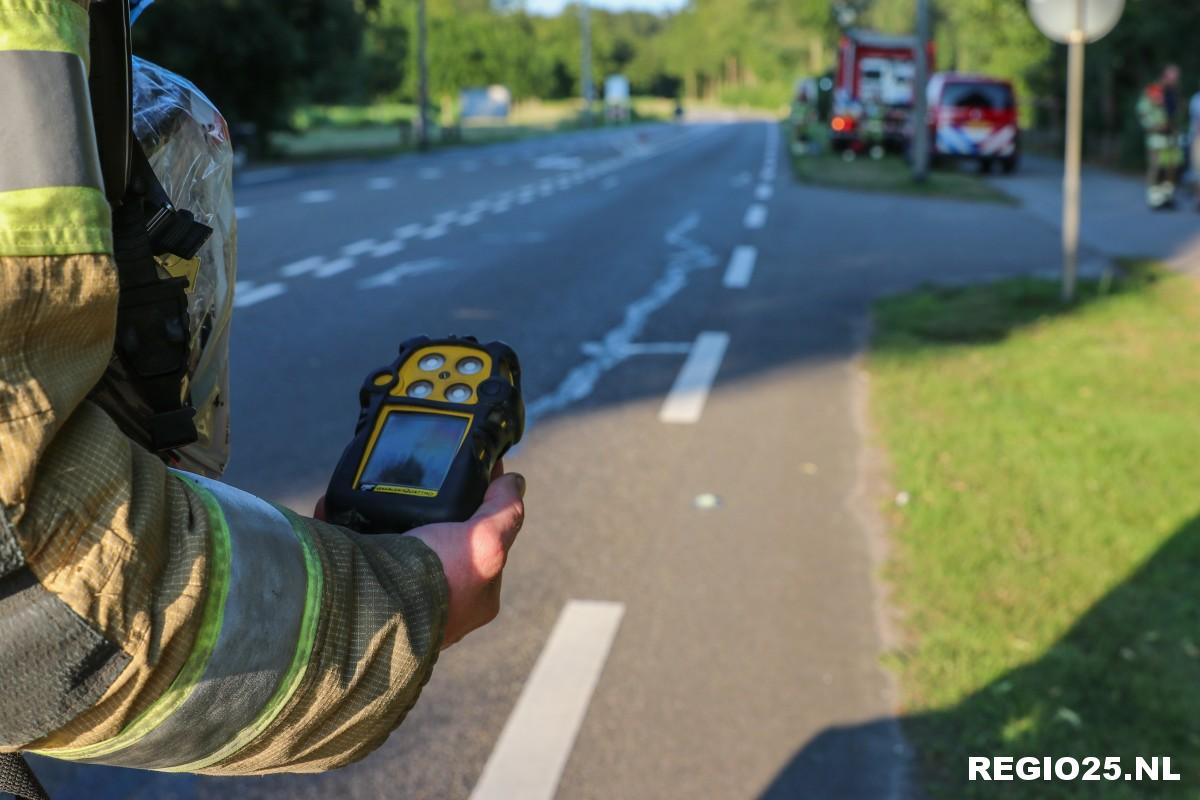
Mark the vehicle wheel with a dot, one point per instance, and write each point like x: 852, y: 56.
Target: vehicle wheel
x: 985, y: 166
x: 1010, y: 164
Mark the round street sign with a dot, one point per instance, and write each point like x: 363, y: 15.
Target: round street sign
x: 1059, y: 19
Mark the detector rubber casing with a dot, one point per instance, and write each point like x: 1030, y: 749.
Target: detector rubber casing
x: 387, y: 480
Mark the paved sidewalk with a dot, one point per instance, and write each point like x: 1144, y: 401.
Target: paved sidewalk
x: 1116, y: 221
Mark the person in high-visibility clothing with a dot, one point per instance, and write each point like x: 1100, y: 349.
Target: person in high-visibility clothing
x: 150, y: 617
x: 1158, y: 111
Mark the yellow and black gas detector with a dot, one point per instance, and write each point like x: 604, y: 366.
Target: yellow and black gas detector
x: 431, y: 428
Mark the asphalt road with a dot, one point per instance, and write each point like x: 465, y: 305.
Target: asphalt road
x: 724, y: 541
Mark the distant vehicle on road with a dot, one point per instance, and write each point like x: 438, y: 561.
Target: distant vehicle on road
x: 617, y: 102
x: 974, y: 117
x: 873, y: 91
x: 489, y: 104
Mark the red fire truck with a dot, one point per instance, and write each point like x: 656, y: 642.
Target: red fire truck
x: 873, y: 91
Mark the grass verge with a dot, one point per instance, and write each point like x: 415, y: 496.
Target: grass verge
x: 322, y: 132
x: 892, y: 174
x: 1046, y: 559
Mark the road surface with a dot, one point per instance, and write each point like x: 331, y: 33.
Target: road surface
x: 691, y: 610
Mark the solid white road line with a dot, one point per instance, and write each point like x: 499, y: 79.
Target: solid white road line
x: 764, y: 191
x: 685, y: 402
x: 245, y: 293
x: 741, y: 267
x: 537, y: 740
x: 756, y: 216
x: 316, y: 196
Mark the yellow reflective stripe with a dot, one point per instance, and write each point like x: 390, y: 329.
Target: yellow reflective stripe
x: 219, y: 563
x: 56, y: 25
x: 54, y: 221
x: 299, y: 667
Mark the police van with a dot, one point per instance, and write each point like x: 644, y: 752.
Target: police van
x: 974, y: 117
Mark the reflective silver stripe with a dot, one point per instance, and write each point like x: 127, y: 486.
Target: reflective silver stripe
x: 263, y: 614
x: 46, y: 132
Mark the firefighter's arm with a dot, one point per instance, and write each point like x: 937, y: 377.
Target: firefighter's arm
x: 147, y: 618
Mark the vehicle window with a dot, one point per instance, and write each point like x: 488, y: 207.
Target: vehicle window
x: 984, y: 96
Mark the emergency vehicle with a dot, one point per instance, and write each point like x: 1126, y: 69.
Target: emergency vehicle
x: 974, y: 117
x: 873, y: 90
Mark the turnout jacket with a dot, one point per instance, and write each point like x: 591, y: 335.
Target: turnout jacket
x: 150, y: 618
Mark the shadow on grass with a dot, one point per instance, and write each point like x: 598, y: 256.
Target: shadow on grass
x: 978, y: 314
x: 1121, y: 682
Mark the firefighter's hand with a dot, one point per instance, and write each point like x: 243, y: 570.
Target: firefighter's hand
x: 473, y: 555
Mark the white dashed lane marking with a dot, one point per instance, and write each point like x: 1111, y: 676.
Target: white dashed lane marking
x: 537, y: 740
x: 685, y: 402
x: 390, y: 277
x: 756, y: 216
x: 246, y: 293
x: 335, y: 267
x: 360, y: 247
x: 317, y: 196
x: 741, y: 267
x: 300, y: 267
x: 764, y: 191
x: 381, y: 184
x: 389, y: 248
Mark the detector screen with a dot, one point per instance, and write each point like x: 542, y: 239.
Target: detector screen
x: 414, y: 449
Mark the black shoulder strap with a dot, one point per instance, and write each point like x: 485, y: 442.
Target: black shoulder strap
x: 152, y: 321
x: 111, y: 85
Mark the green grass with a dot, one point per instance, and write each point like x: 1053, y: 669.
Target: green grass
x: 321, y: 132
x: 1048, y: 561
x: 890, y: 174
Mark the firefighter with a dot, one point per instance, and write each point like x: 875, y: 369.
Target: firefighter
x: 150, y: 617
x: 1158, y: 111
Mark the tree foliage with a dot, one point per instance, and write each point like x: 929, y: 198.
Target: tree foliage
x: 259, y: 58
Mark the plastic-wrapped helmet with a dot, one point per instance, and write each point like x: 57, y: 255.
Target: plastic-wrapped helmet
x: 187, y: 143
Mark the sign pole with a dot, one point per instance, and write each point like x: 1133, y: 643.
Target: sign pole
x: 920, y: 141
x: 1074, y: 156
x: 585, y: 61
x: 422, y: 78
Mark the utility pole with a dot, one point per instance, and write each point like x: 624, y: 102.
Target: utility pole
x: 920, y: 142
x: 585, y: 60
x: 422, y: 79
